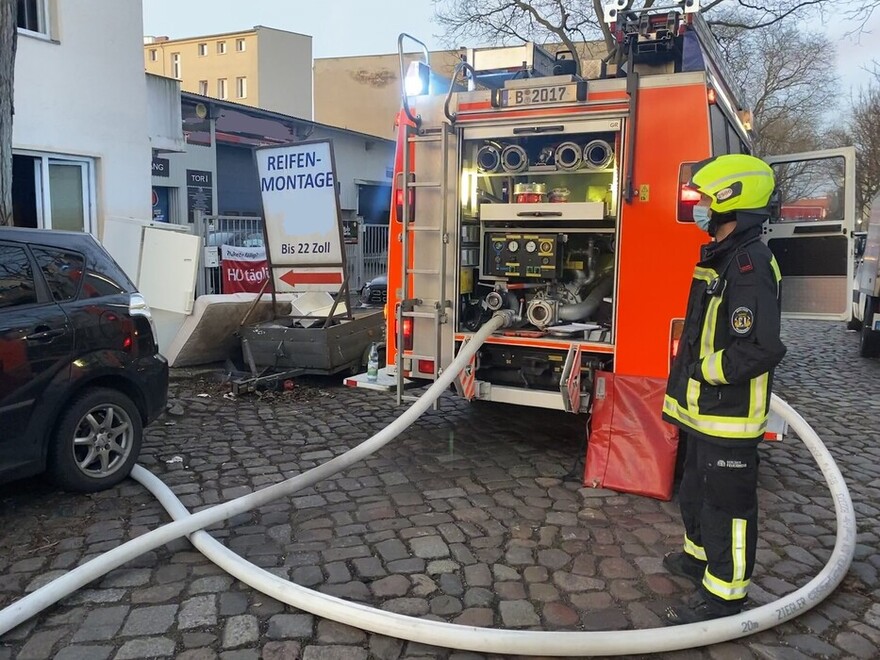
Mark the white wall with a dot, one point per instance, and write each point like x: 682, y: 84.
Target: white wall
x: 285, y: 72
x: 164, y: 117
x: 84, y: 93
x: 356, y: 162
x: 196, y: 157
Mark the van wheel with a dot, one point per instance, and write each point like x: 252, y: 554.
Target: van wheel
x: 96, y: 442
x: 869, y: 344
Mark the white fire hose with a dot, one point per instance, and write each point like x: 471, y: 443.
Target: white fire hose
x: 485, y: 640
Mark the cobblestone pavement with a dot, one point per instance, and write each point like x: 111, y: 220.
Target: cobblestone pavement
x: 468, y: 517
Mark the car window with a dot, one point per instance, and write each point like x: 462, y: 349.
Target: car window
x: 62, y: 271
x: 97, y: 285
x: 16, y: 277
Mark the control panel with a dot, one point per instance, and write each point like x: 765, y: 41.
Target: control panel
x: 521, y: 255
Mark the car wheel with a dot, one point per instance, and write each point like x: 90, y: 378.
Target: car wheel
x: 96, y: 442
x: 869, y: 343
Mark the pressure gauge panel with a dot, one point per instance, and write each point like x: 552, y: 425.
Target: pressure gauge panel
x: 522, y: 256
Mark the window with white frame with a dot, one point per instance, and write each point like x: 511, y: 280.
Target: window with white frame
x: 203, y: 50
x: 175, y: 65
x: 154, y: 55
x: 203, y: 87
x: 33, y: 16
x: 221, y: 47
x: 240, y: 45
x: 221, y: 88
x: 241, y: 87
x: 51, y: 191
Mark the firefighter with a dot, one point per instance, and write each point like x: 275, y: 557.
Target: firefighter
x: 718, y: 392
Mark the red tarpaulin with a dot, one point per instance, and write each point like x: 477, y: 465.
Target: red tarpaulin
x: 630, y: 448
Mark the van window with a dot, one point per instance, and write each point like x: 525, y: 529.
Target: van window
x: 718, y: 124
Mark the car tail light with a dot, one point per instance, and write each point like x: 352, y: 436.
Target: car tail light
x: 675, y: 338
x: 137, y: 306
x: 407, y: 334
x: 687, y: 197
x: 426, y: 366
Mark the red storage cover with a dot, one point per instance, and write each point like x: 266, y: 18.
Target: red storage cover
x: 630, y: 449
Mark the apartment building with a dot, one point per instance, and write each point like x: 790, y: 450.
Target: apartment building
x: 81, y: 143
x: 263, y: 67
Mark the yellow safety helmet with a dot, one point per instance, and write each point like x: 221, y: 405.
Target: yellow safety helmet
x: 735, y: 182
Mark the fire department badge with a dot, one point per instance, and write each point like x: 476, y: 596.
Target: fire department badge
x: 741, y: 320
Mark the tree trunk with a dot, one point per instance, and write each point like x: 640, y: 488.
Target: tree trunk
x: 8, y: 41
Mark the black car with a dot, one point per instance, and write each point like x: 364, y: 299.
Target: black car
x: 375, y: 292
x: 80, y: 370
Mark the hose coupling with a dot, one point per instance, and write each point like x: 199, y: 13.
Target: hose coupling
x: 509, y: 317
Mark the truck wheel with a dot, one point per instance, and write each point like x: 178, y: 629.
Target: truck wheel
x: 96, y: 442
x: 869, y: 345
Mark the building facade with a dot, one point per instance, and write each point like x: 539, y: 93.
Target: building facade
x: 216, y: 173
x: 362, y: 93
x: 81, y: 143
x: 262, y: 67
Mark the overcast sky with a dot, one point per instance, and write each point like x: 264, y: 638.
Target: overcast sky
x: 360, y: 27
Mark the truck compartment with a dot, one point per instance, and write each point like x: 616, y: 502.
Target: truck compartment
x: 539, y: 219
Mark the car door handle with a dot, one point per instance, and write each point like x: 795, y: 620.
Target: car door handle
x: 43, y: 334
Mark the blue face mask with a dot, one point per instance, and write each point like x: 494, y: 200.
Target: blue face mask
x: 701, y: 217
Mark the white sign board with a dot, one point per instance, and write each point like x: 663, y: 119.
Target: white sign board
x: 301, y: 209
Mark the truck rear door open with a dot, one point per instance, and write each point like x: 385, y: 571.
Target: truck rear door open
x: 811, y: 235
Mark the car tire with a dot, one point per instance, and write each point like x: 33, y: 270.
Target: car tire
x: 101, y: 426
x: 869, y: 342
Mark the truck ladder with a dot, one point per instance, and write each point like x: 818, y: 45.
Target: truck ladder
x: 427, y: 300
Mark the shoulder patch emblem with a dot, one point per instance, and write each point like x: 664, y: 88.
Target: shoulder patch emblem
x: 742, y: 320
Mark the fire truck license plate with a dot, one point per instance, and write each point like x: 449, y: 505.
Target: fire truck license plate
x: 542, y: 95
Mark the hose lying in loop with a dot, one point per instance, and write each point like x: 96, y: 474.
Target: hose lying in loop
x: 540, y: 643
x: 513, y: 642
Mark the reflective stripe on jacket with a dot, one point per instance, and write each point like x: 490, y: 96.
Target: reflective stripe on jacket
x: 719, y: 385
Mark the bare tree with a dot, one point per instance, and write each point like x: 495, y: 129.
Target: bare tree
x: 788, y: 77
x: 863, y: 132
x: 568, y: 21
x: 8, y: 43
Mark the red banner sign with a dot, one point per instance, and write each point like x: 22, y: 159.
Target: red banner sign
x: 243, y: 270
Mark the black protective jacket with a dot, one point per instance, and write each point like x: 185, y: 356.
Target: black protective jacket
x: 719, y: 385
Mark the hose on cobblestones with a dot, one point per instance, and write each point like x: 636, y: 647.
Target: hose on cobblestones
x: 486, y: 640
x: 541, y: 643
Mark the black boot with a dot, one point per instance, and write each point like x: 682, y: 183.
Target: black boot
x: 697, y: 609
x: 683, y: 565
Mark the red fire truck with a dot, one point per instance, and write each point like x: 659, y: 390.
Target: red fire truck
x: 533, y: 188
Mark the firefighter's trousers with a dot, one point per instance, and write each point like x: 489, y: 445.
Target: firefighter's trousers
x: 719, y: 507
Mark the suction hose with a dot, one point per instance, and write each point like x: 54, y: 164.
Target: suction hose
x: 589, y: 305
x: 487, y: 640
x: 66, y: 584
